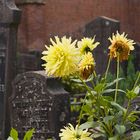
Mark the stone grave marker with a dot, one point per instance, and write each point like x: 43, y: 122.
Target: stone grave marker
x: 9, y: 20
x: 102, y: 28
x: 29, y: 62
x: 2, y: 88
x: 39, y: 102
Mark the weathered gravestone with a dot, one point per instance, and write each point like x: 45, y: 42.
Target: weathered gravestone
x: 29, y: 62
x: 39, y: 102
x: 102, y: 28
x: 9, y: 20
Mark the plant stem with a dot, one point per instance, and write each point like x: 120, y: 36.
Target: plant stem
x: 137, y: 80
x: 86, y: 86
x: 81, y: 111
x: 94, y: 73
x: 116, y: 91
x: 108, y: 65
x: 126, y: 114
x: 92, y: 82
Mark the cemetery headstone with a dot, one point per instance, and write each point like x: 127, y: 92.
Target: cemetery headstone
x: 9, y: 20
x: 29, y: 62
x: 39, y: 102
x: 102, y: 28
x: 2, y: 87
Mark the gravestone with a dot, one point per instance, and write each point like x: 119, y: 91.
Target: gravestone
x: 2, y: 87
x: 9, y: 20
x: 39, y: 102
x: 29, y: 62
x: 102, y: 28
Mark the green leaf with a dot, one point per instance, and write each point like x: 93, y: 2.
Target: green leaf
x: 136, y: 135
x: 29, y: 134
x: 87, y: 125
x: 87, y: 109
x: 99, y: 87
x: 137, y: 90
x: 120, y: 129
x: 103, y: 102
x: 108, y: 118
x: 113, y: 138
x: 132, y: 117
x: 131, y: 94
x: 108, y: 98
x: 99, y: 136
x: 79, y: 81
x: 112, y: 83
x: 112, y: 90
x: 14, y: 134
x: 118, y: 107
x: 135, y: 112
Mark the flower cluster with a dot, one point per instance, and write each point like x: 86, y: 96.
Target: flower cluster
x: 64, y: 58
x: 101, y: 113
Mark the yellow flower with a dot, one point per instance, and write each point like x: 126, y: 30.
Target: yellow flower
x: 86, y: 65
x: 71, y: 133
x: 10, y: 138
x: 120, y: 46
x: 61, y: 57
x: 87, y: 45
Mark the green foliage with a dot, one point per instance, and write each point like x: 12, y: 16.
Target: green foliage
x: 121, y: 129
x: 132, y: 94
x: 73, y: 85
x: 100, y: 113
x: 28, y: 135
x: 136, y: 135
x: 130, y: 75
x: 127, y: 79
x: 14, y: 134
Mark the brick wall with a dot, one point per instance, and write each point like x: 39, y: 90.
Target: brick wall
x: 42, y: 20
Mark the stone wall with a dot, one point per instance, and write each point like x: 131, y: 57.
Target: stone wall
x: 42, y: 19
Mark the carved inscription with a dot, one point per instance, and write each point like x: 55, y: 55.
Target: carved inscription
x: 34, y: 105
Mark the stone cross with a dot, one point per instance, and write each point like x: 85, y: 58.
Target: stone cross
x: 9, y: 20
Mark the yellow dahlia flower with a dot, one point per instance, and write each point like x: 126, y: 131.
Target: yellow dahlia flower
x: 86, y: 65
x: 71, y: 133
x: 120, y: 46
x: 87, y: 45
x: 10, y: 138
x: 61, y: 57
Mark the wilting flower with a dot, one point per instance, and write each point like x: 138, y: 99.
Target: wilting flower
x: 120, y: 46
x: 71, y: 133
x: 87, y: 45
x: 86, y: 65
x: 61, y: 57
x: 10, y: 138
